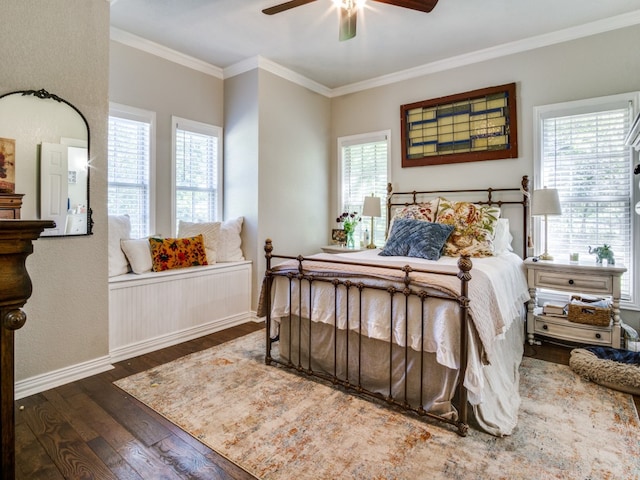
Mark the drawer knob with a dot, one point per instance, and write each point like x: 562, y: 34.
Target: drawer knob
x: 571, y: 282
x: 598, y: 336
x: 546, y: 327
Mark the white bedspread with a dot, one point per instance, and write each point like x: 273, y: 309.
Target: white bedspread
x: 497, y: 292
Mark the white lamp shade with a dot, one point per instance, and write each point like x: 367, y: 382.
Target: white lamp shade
x: 371, y: 207
x: 546, y: 202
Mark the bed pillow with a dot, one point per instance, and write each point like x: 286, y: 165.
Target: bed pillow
x: 119, y: 227
x: 503, y: 238
x: 416, y: 238
x: 138, y: 252
x: 426, y: 211
x: 474, y: 227
x: 168, y: 253
x: 229, y: 248
x: 209, y: 230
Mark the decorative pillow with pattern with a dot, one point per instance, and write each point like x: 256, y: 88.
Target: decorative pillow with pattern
x: 426, y: 211
x: 416, y: 238
x: 168, y: 253
x: 474, y: 227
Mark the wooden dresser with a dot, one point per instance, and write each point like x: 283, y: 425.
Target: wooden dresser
x: 16, y: 245
x: 10, y: 205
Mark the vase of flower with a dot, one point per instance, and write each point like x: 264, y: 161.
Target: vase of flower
x: 349, y: 222
x: 350, y: 240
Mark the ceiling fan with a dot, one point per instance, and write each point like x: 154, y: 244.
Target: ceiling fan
x: 349, y: 11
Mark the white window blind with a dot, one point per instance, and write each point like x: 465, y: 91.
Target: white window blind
x: 582, y: 154
x: 197, y: 155
x: 364, y: 170
x: 129, y: 167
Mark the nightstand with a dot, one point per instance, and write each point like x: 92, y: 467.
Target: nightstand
x: 584, y: 277
x: 340, y: 249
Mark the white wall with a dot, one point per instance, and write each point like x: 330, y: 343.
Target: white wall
x: 277, y: 165
x: 595, y: 66
x: 139, y: 79
x: 62, y: 46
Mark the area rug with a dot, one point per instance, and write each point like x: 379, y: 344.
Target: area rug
x: 277, y: 425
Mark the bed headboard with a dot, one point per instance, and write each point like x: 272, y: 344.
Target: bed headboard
x: 513, y: 203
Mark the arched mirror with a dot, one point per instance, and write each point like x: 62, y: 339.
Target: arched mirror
x: 44, y: 162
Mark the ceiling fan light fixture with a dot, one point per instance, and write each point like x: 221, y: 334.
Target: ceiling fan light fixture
x: 348, y: 21
x: 348, y: 10
x: 349, y: 4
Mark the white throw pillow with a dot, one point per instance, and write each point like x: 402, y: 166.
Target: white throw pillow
x: 230, y: 243
x: 211, y: 233
x: 503, y: 238
x: 119, y: 228
x: 138, y: 252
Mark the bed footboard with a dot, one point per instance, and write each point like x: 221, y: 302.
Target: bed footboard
x: 399, y: 371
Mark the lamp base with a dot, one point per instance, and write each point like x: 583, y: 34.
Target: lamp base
x: 371, y: 245
x: 545, y: 256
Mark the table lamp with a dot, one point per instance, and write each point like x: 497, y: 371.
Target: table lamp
x: 546, y: 202
x: 371, y: 209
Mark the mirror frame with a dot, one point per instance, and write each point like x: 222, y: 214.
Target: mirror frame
x: 44, y: 95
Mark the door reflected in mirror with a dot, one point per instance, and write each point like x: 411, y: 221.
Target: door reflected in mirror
x: 50, y: 159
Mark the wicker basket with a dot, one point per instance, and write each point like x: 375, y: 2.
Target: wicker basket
x: 588, y: 315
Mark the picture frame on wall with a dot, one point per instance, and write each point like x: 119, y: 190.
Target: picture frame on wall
x: 465, y: 127
x: 7, y: 165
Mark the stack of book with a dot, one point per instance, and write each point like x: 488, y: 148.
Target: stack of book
x: 554, y: 309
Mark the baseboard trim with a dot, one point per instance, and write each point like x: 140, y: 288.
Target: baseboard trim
x: 46, y: 381
x: 140, y: 348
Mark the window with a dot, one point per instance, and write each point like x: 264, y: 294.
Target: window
x: 197, y: 171
x: 130, y: 167
x: 580, y: 151
x: 364, y: 163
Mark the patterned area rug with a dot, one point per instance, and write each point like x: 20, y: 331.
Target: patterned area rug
x: 277, y: 425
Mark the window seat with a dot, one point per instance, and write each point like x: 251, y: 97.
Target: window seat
x: 154, y: 310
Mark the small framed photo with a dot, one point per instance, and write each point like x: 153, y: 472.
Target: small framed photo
x: 338, y: 236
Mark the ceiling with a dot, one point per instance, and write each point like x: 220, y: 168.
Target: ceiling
x: 390, y: 39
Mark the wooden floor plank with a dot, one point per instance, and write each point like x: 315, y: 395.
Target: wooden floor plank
x: 125, y: 409
x: 69, y: 452
x: 189, y: 462
x: 33, y: 462
x: 67, y: 411
x: 113, y: 459
x: 110, y: 429
x: 146, y: 461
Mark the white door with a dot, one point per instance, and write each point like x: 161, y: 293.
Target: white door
x: 54, y: 186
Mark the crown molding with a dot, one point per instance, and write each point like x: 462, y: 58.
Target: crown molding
x: 560, y: 36
x: 161, y: 51
x: 532, y: 43
x: 276, y: 69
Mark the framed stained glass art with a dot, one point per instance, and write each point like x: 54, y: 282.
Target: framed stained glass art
x: 465, y: 127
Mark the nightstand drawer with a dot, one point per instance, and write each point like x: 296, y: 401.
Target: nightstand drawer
x: 574, y: 282
x: 576, y: 332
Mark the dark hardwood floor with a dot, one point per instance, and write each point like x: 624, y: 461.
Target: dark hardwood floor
x: 90, y: 429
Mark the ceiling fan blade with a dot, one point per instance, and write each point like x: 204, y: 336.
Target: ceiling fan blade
x: 420, y: 5
x: 285, y: 6
x: 348, y: 19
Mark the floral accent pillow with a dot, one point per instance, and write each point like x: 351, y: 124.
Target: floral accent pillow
x: 416, y: 238
x: 425, y: 211
x: 168, y: 253
x: 474, y: 227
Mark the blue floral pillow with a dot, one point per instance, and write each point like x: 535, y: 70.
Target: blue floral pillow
x: 416, y: 238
